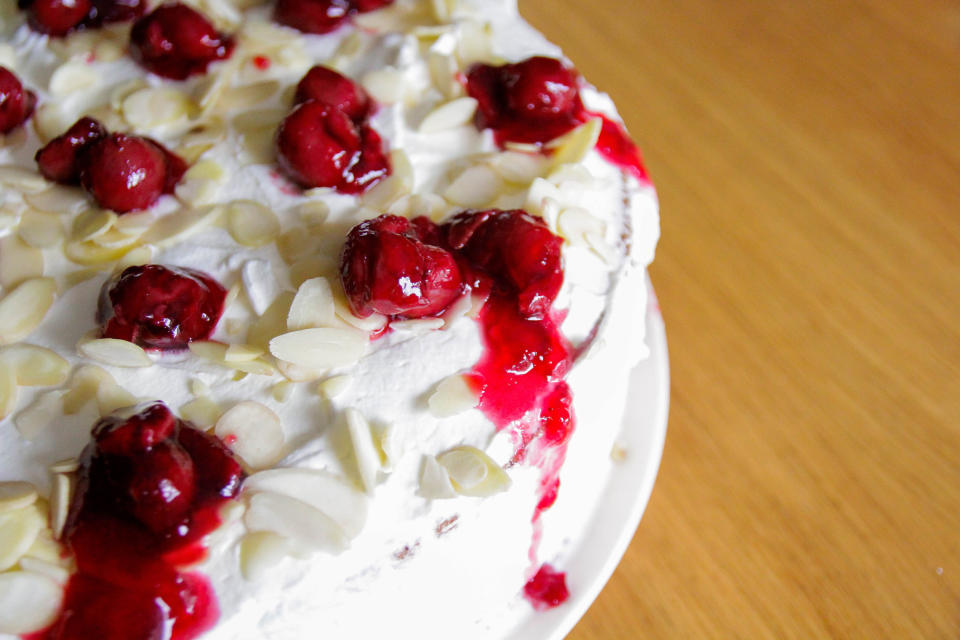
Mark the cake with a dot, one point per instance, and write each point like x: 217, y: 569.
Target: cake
x: 316, y: 317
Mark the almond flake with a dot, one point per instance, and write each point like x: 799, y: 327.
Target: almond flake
x: 443, y: 73
x: 125, y: 89
x: 50, y: 120
x: 281, y: 391
x: 245, y: 96
x: 435, y: 481
x: 92, y: 223
x: 35, y: 366
x: 453, y: 114
x: 8, y: 56
x: 156, y: 106
x: 386, y: 86
x: 572, y: 147
x: 260, y: 284
x: 18, y: 530
x: 260, y: 551
x: 8, y: 390
x: 335, y: 386
x: 242, y: 353
x: 473, y: 472
x: 40, y: 415
x: 60, y: 497
x: 71, y: 77
x: 296, y: 373
x: 519, y: 168
x: 111, y: 397
x: 253, y: 432
x: 174, y: 227
x: 290, y: 518
x: 252, y: 224
x: 322, y: 490
x: 258, y: 119
x: 201, y: 183
x: 372, y: 323
x: 83, y: 386
x: 18, y: 261
x: 576, y: 223
x: 321, y: 348
x: 41, y: 567
x: 29, y: 602
x: 452, y: 396
x: 365, y: 451
x: 475, y: 187
x: 24, y: 308
x: 16, y: 495
x: 57, y: 199
x: 272, y: 322
x: 209, y: 350
x: 119, y: 353
x: 40, y: 230
x: 475, y: 43
x: 67, y: 465
x: 46, y: 548
x: 313, y: 305
x: 202, y: 411
x: 22, y: 180
x: 314, y: 213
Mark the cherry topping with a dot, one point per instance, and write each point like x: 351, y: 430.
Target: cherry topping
x: 320, y: 146
x: 58, y: 17
x: 386, y: 267
x: 548, y: 588
x: 128, y: 173
x: 328, y: 87
x: 541, y: 87
x: 517, y: 249
x: 58, y: 160
x: 312, y: 16
x: 149, y: 488
x: 16, y: 103
x: 176, y: 41
x: 160, y: 307
x: 108, y: 11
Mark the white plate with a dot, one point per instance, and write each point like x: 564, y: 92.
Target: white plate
x: 625, y: 497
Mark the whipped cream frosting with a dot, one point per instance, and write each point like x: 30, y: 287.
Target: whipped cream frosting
x: 434, y: 567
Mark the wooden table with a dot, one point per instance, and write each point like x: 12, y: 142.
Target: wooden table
x: 807, y: 156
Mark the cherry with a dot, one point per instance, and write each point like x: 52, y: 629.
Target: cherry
x: 319, y: 146
x: 58, y: 160
x: 16, y: 103
x: 162, y: 487
x: 58, y: 17
x: 541, y: 87
x: 312, y: 16
x: 386, y: 268
x: 363, y: 6
x: 161, y: 307
x: 328, y: 87
x: 218, y: 472
x: 124, y: 173
x: 517, y: 249
x: 109, y: 11
x: 124, y: 435
x: 176, y: 41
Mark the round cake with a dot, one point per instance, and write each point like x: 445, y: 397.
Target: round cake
x: 316, y: 317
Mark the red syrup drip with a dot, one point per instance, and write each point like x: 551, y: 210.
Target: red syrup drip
x: 547, y: 589
x: 130, y: 583
x: 492, y: 87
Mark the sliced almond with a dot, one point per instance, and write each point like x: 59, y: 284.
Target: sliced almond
x: 242, y: 353
x: 321, y: 348
x: 258, y: 119
x: 372, y: 323
x: 322, y: 490
x: 50, y: 120
x: 18, y: 261
x: 8, y: 56
x: 246, y: 96
x: 18, y: 530
x: 281, y: 391
x: 57, y: 199
x: 572, y: 147
x: 42, y: 567
x: 253, y: 432
x: 209, y: 350
x: 35, y: 366
x: 90, y: 253
x: 335, y: 386
x: 118, y: 353
x: 24, y: 308
x: 8, y: 389
x: 92, y: 223
x: 39, y: 416
x: 386, y: 85
x: 296, y: 373
x: 61, y: 495
x: 519, y: 168
x: 452, y: 396
x: 260, y: 284
x: 16, y: 495
x: 576, y: 224
x: 473, y: 472
x: 176, y: 226
x: 260, y: 551
x: 111, y: 397
x: 313, y: 305
x: 46, y: 548
x: 22, y: 180
x: 71, y: 77
x: 252, y: 224
x: 29, y: 602
x: 435, y: 481
x: 272, y: 322
x: 199, y: 388
x: 203, y: 412
x: 443, y: 73
x: 201, y: 183
x: 453, y: 114
x: 156, y: 106
x: 296, y: 520
x: 67, y: 465
x: 475, y: 42
x: 475, y: 187
x: 365, y: 451
x: 83, y: 386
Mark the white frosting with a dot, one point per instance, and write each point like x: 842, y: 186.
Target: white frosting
x: 465, y: 583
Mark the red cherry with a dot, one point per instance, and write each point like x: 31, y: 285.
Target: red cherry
x: 328, y: 87
x: 386, y: 268
x: 58, y: 17
x: 16, y: 103
x: 541, y: 87
x: 312, y: 16
x: 110, y: 11
x: 128, y: 435
x: 124, y: 173
x: 363, y: 6
x: 161, y: 488
x: 161, y: 307
x: 57, y: 160
x: 176, y: 41
x: 219, y: 474
x: 515, y: 248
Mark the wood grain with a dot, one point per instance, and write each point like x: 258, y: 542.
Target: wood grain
x: 807, y: 157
